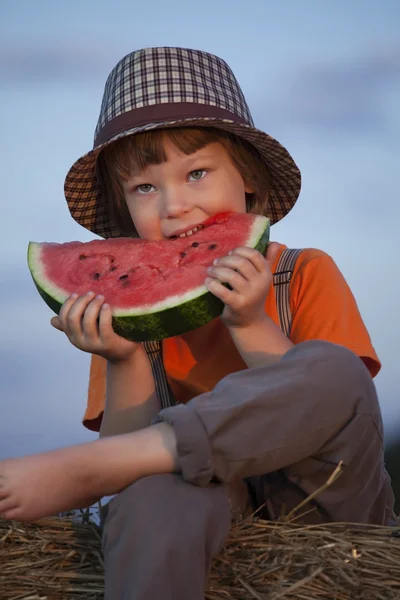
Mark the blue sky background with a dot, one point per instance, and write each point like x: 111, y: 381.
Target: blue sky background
x: 321, y: 76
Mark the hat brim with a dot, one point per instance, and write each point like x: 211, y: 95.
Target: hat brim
x: 87, y: 204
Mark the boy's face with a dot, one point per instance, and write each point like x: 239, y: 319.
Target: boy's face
x: 182, y: 192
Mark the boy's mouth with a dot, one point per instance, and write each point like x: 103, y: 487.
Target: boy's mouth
x: 218, y: 218
x: 186, y: 232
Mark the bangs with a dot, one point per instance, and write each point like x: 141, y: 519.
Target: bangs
x: 132, y: 154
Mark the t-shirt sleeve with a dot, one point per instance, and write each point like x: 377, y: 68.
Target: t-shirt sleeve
x: 323, y: 307
x: 96, y: 393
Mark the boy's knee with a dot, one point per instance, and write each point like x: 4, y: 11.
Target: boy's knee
x: 336, y: 372
x: 321, y: 353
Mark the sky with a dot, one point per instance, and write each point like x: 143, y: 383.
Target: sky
x: 322, y: 77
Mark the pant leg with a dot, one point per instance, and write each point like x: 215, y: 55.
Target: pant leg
x: 315, y: 407
x: 159, y: 537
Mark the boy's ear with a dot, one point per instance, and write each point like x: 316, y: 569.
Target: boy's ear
x: 248, y: 188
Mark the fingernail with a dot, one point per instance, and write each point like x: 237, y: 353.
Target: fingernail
x: 99, y: 297
x: 74, y: 295
x: 105, y: 306
x: 90, y: 294
x: 216, y: 261
x: 208, y: 280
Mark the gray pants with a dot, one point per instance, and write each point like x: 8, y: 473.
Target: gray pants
x: 282, y: 429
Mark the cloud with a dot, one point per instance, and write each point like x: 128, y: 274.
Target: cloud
x: 43, y: 378
x: 342, y: 96
x: 347, y: 95
x: 32, y: 62
x: 43, y: 395
x: 338, y: 95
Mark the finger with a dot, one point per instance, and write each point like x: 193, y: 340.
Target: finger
x: 238, y: 263
x: 272, y: 252
x: 73, y: 325
x: 222, y: 292
x: 105, y: 323
x: 66, y: 307
x: 254, y: 256
x: 230, y: 276
x: 90, y: 319
x: 56, y: 323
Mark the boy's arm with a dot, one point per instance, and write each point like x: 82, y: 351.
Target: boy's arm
x: 131, y: 401
x: 260, y: 344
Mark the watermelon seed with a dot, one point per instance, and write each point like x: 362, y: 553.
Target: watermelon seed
x: 82, y: 257
x: 183, y: 254
x: 113, y: 268
x: 212, y: 246
x: 96, y: 276
x: 124, y: 277
x: 195, y: 244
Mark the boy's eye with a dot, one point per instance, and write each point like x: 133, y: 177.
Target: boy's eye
x: 144, y: 188
x: 198, y: 174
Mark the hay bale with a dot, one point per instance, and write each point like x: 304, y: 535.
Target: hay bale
x: 60, y: 559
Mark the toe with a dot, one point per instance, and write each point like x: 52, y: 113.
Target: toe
x: 6, y: 506
x: 11, y: 515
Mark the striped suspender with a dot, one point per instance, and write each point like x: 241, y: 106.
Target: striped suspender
x: 282, y: 278
x: 163, y: 390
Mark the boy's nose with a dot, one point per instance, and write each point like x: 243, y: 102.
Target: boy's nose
x: 174, y: 204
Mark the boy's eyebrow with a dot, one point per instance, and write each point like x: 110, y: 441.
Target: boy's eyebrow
x: 190, y: 160
x: 199, y: 156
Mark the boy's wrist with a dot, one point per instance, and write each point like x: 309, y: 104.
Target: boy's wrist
x: 263, y: 323
x: 124, y: 359
x: 260, y: 343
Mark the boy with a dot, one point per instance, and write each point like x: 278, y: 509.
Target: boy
x: 255, y: 417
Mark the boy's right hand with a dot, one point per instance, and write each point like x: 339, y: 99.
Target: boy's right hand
x: 87, y: 322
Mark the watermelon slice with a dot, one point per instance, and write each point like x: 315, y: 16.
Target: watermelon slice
x: 155, y: 289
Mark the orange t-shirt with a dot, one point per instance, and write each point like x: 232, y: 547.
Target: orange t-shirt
x: 322, y: 305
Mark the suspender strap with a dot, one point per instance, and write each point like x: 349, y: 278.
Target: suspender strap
x: 282, y: 278
x: 163, y: 389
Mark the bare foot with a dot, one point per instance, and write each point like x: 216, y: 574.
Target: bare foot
x: 45, y: 484
x: 41, y: 485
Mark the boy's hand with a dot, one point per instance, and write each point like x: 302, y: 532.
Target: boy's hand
x: 249, y: 275
x: 87, y: 322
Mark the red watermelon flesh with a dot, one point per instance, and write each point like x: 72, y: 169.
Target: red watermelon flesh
x: 137, y: 276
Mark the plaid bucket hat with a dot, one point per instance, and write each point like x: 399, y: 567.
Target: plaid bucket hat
x: 158, y: 88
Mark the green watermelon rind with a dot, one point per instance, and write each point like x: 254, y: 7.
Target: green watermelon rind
x: 173, y: 316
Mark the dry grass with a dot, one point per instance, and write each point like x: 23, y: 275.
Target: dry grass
x: 60, y: 559
x: 267, y: 560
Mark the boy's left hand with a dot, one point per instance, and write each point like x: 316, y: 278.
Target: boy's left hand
x: 250, y: 277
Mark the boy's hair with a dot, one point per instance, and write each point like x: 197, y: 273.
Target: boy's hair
x: 133, y: 153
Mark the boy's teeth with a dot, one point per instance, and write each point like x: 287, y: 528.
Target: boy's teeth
x: 190, y: 232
